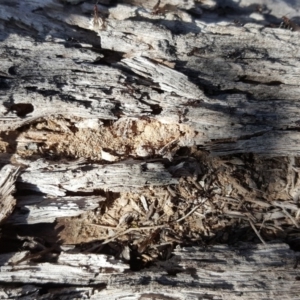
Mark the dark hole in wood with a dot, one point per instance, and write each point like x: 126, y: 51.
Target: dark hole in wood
x: 183, y: 151
x: 156, y: 109
x: 22, y: 109
x: 109, y: 57
x: 107, y: 123
x: 43, y: 291
x: 47, y: 92
x: 117, y: 111
x: 12, y: 71
x: 174, y: 272
x: 3, y: 84
x: 31, y: 88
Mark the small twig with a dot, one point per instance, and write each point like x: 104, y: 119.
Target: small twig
x: 94, y: 248
x: 262, y: 224
x: 257, y: 233
x: 103, y: 226
x: 188, y: 214
x: 289, y: 215
x: 163, y: 149
x: 129, y: 230
x: 172, y: 193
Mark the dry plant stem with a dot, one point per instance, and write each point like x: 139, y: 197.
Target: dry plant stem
x: 262, y: 224
x: 188, y: 214
x: 142, y: 228
x: 258, y: 202
x: 129, y: 230
x: 197, y: 185
x: 96, y: 247
x: 258, y: 234
x: 103, y: 226
x: 289, y: 215
x: 162, y: 150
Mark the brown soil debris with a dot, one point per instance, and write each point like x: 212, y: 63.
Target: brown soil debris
x: 217, y: 200
x: 113, y: 142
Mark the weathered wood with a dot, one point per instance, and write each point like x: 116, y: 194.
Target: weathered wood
x: 87, y: 178
x: 122, y: 95
x: 8, y: 175
x: 252, y: 63
x: 35, y: 209
x: 220, y: 272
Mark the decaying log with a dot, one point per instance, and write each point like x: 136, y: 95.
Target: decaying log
x: 61, y: 179
x: 88, y: 178
x: 157, y: 68
x: 220, y: 272
x: 41, y: 209
x: 98, y: 103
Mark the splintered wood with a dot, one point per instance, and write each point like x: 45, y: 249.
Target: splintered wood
x: 8, y: 175
x: 225, y: 273
x: 208, y: 199
x: 98, y: 21
x: 130, y: 127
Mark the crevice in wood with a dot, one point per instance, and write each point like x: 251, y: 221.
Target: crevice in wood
x: 157, y: 127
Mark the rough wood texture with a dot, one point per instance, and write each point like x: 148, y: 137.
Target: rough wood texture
x: 8, y: 175
x: 220, y: 272
x: 41, y: 209
x: 158, y: 67
x: 87, y: 178
x: 97, y: 100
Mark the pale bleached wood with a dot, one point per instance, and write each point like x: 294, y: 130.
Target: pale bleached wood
x: 267, y: 143
x: 8, y: 175
x: 126, y: 176
x: 35, y: 209
x: 221, y: 272
x: 234, y: 88
x: 253, y: 74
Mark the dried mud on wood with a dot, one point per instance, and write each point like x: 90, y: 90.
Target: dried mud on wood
x: 130, y: 128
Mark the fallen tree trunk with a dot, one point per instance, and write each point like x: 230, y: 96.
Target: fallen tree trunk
x: 137, y: 69
x: 118, y: 114
x: 255, y: 272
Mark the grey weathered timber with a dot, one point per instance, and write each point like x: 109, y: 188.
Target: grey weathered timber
x: 87, y: 178
x: 101, y: 103
x: 35, y: 209
x: 220, y: 272
x: 8, y: 175
x: 50, y: 66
